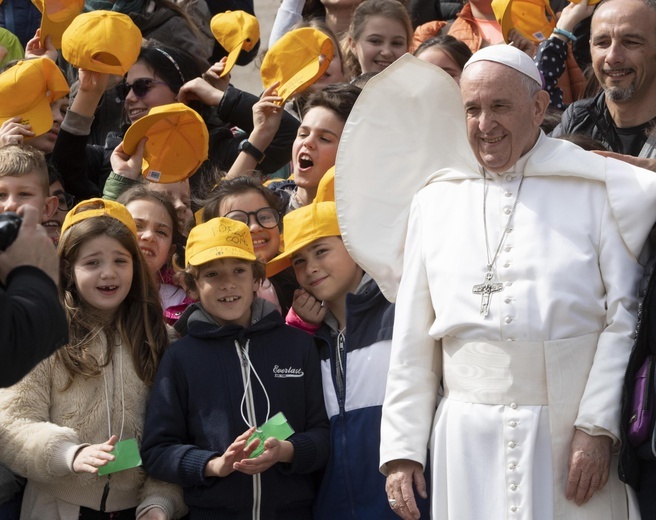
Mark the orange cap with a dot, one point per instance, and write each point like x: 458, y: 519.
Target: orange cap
x: 235, y: 31
x: 178, y: 142
x: 28, y: 88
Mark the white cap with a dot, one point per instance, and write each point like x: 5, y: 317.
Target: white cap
x: 510, y: 57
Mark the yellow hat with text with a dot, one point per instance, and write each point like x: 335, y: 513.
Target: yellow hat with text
x: 219, y: 238
x: 297, y: 60
x: 235, y: 31
x: 56, y: 16
x: 99, y: 208
x: 178, y: 142
x: 302, y: 227
x: 534, y: 19
x: 102, y: 41
x: 28, y: 88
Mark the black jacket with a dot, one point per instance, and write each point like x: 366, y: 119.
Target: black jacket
x: 195, y: 413
x: 32, y: 322
x: 591, y: 117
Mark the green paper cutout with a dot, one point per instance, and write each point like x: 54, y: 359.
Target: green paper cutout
x: 127, y: 457
x: 277, y: 427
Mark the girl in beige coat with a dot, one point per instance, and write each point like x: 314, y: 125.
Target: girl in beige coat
x: 60, y: 424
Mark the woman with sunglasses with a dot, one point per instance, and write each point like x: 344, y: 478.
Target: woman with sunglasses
x: 156, y: 79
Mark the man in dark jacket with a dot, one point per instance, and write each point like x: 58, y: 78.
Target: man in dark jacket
x: 623, y: 49
x: 32, y: 322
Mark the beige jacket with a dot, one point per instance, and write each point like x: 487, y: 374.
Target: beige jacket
x: 43, y: 427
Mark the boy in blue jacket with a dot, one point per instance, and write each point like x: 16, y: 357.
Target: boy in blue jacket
x: 237, y: 366
x: 354, y: 332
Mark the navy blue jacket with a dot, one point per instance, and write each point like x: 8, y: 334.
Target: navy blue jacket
x: 353, y: 487
x: 195, y: 413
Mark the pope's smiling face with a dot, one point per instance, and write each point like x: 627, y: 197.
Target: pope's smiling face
x: 503, y: 117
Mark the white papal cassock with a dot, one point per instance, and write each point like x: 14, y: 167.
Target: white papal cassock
x: 550, y: 356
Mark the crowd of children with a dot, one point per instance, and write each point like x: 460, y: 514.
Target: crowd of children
x: 227, y: 357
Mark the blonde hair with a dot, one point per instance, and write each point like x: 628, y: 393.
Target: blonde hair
x: 392, y: 9
x: 17, y: 160
x: 138, y: 322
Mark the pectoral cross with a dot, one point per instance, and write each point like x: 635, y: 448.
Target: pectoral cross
x: 486, y: 289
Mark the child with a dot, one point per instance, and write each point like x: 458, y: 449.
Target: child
x: 379, y: 34
x: 24, y: 180
x: 157, y: 234
x: 354, y: 339
x: 238, y: 366
x: 315, y: 147
x: 62, y: 421
x: 246, y: 200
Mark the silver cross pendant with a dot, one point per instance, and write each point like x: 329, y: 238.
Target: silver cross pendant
x: 486, y: 289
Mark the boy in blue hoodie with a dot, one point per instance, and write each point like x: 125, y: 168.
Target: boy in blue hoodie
x: 354, y: 333
x: 237, y: 366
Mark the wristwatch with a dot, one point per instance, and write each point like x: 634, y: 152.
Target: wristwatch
x: 247, y: 147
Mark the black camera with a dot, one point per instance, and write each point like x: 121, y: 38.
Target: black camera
x: 10, y: 223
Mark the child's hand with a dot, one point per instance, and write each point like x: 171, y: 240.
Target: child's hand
x: 12, y: 131
x: 267, y: 112
x: 274, y: 451
x: 89, y: 459
x: 308, y: 308
x: 93, y: 82
x: 199, y: 89
x: 212, y: 75
x: 128, y: 165
x: 224, y: 465
x: 34, y: 49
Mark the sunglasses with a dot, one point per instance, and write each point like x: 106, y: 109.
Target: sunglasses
x: 140, y: 87
x: 266, y: 217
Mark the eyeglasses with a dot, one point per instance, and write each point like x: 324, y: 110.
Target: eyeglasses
x: 65, y: 201
x: 140, y: 87
x: 266, y: 217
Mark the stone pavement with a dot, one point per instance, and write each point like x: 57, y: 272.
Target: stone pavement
x: 248, y: 78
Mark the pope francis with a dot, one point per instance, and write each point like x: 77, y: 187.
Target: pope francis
x: 515, y: 269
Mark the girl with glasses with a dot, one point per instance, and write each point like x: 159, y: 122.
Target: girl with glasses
x: 246, y: 200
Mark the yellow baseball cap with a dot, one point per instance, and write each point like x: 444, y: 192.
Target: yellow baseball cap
x: 56, y: 16
x: 297, y: 60
x: 178, y: 142
x: 102, y: 41
x: 532, y: 18
x: 99, y: 208
x: 326, y: 188
x: 235, y: 31
x: 302, y: 227
x: 28, y: 88
x: 219, y: 238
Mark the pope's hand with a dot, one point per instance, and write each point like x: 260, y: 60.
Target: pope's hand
x: 589, y: 466
x: 401, y: 475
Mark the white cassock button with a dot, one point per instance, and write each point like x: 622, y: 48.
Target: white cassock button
x: 508, y: 284
x: 513, y: 405
x: 509, y: 178
x: 512, y: 424
x: 511, y: 444
x: 506, y: 265
x: 508, y: 300
x: 512, y: 466
x: 508, y: 193
x: 507, y: 249
x: 507, y: 319
x: 507, y: 210
x: 509, y: 340
x: 513, y: 487
x: 513, y: 509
